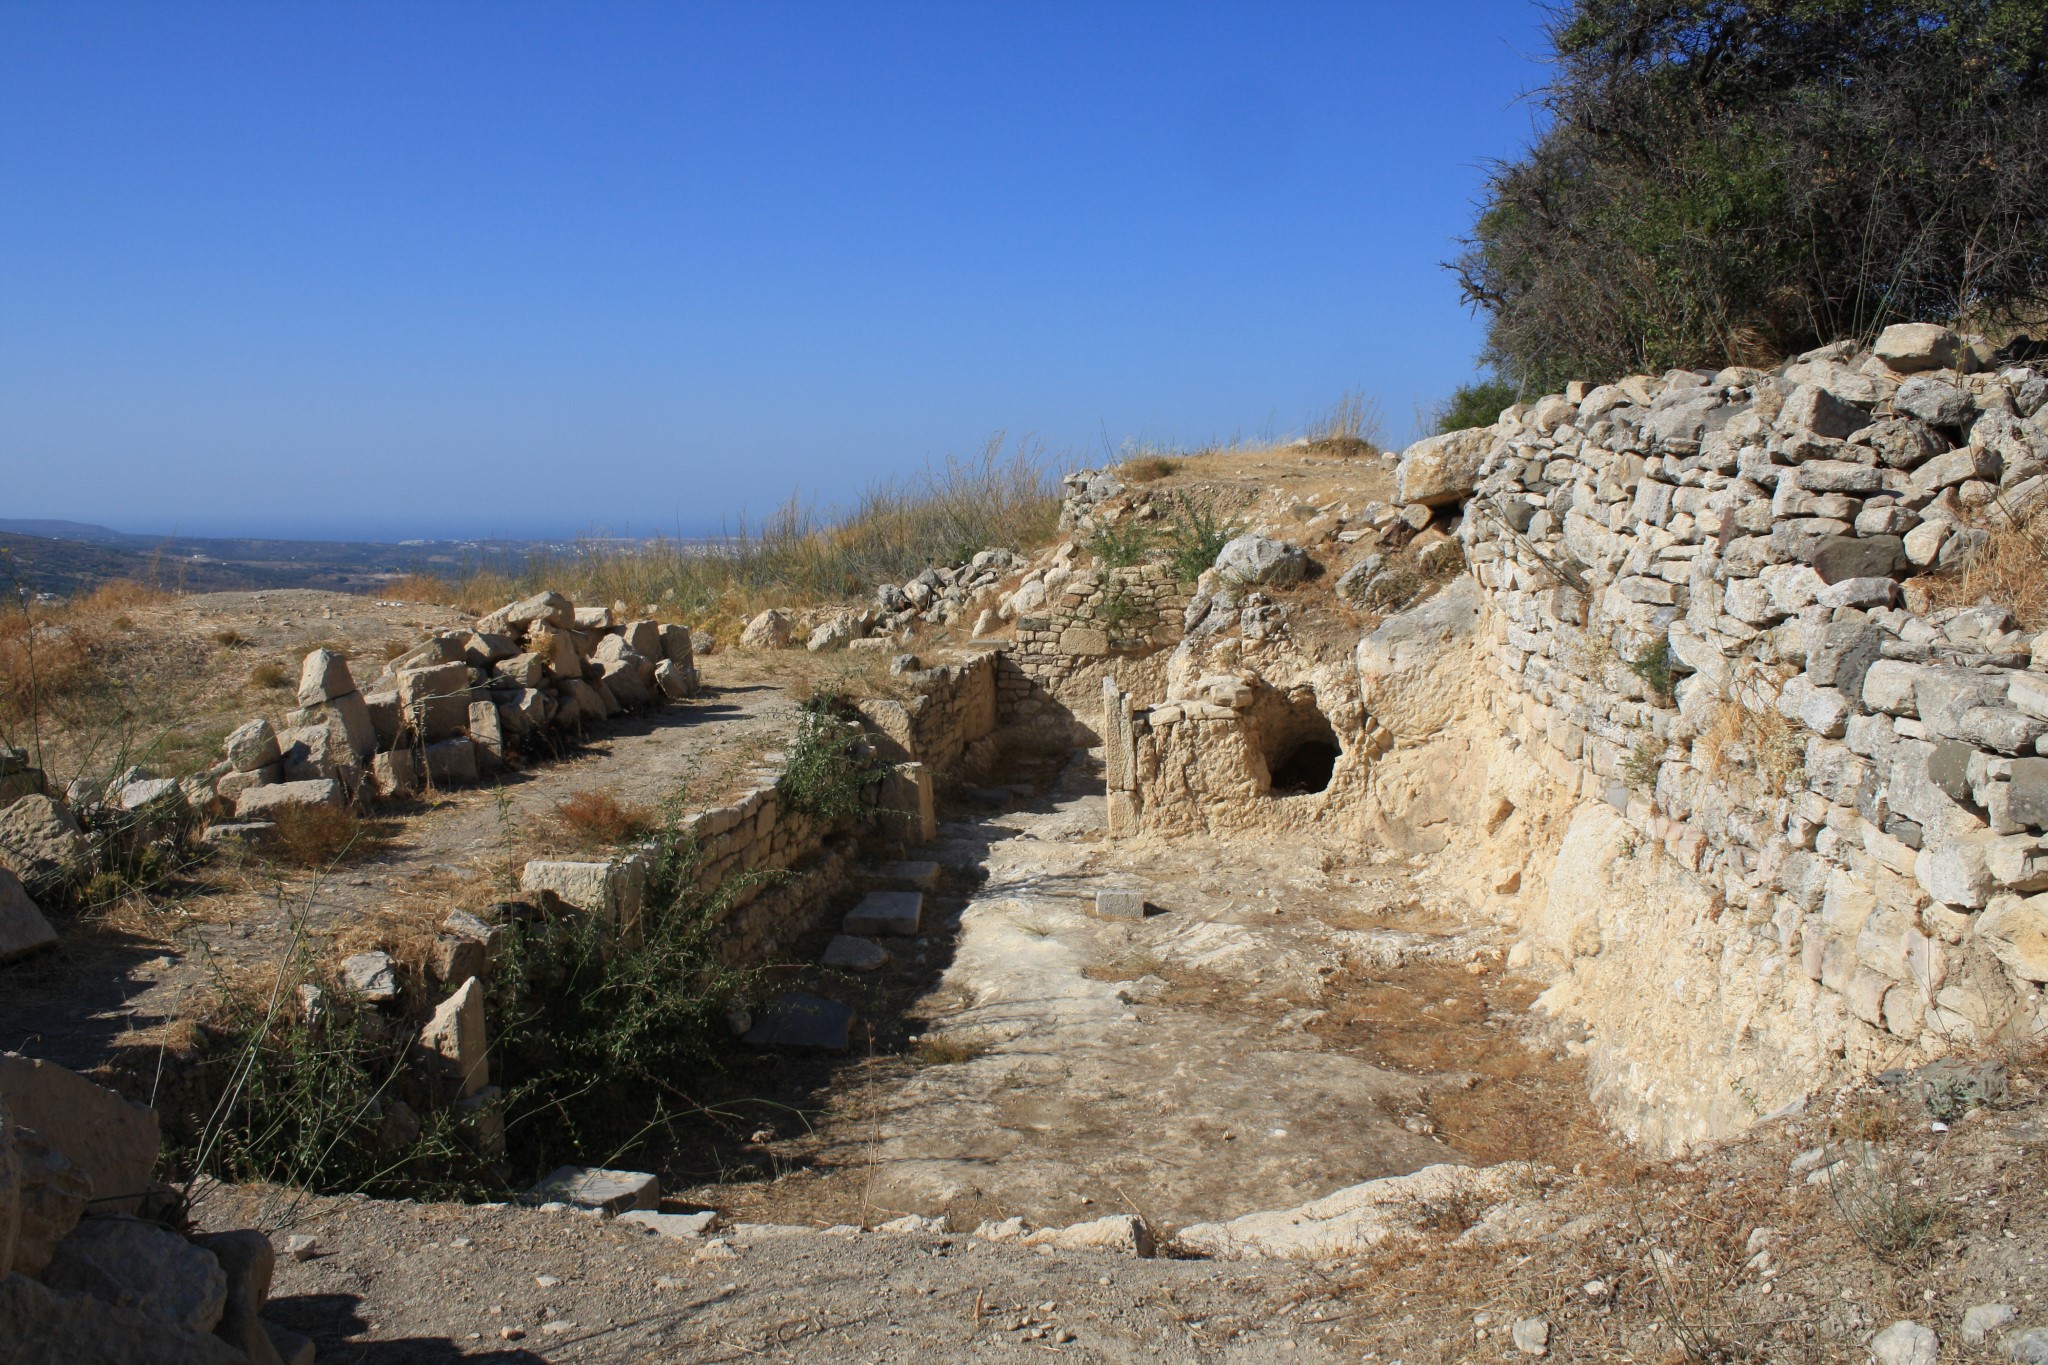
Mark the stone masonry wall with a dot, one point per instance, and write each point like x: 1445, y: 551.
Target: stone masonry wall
x: 1075, y: 626
x: 1703, y: 615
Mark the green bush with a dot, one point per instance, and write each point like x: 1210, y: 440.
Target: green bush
x: 1195, y: 536
x: 1732, y: 181
x: 829, y: 763
x: 1474, y: 405
x: 1120, y: 544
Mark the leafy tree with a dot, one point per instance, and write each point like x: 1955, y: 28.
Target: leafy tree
x: 1731, y: 181
x: 1474, y: 405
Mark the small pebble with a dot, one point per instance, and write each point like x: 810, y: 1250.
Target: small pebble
x: 546, y: 1281
x: 511, y: 1333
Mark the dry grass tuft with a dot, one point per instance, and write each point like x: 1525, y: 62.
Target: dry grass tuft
x: 1147, y: 469
x: 230, y: 638
x: 1006, y: 496
x: 269, y: 676
x: 1353, y: 427
x: 598, y: 819
x: 941, y: 1049
x: 319, y: 836
x: 1764, y: 742
x: 2008, y: 570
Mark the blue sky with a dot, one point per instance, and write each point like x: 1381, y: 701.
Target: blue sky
x: 382, y: 270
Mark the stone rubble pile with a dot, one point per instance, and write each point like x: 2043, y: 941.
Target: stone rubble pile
x: 451, y: 711
x: 1688, y: 574
x: 942, y: 595
x: 93, y: 1266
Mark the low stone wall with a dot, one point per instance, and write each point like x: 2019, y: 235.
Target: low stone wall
x: 1076, y: 626
x: 1809, y: 808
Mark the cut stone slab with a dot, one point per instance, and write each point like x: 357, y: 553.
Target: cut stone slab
x: 371, y: 976
x: 455, y: 1038
x: 260, y: 802
x: 112, y: 1141
x: 1118, y: 903
x: 885, y: 912
x: 590, y: 1187
x: 23, y: 930
x: 680, y: 1225
x: 854, y: 954
x: 41, y: 843
x: 801, y: 1020
x: 918, y: 873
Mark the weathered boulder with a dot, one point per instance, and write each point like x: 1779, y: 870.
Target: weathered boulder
x: 41, y: 843
x: 41, y: 1327
x: 1441, y: 469
x: 1124, y: 1232
x: 2015, y: 929
x: 1255, y: 560
x: 452, y: 762
x: 769, y: 630
x: 50, y: 1196
x: 23, y: 929
x: 836, y: 633
x: 1908, y: 347
x: 109, y: 1140
x: 133, y: 1264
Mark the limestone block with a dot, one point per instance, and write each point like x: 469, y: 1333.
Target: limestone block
x: 770, y: 630
x: 1812, y: 408
x: 1956, y: 870
x: 1121, y: 904
x: 612, y: 890
x: 487, y: 735
x: 247, y: 1260
x: 455, y: 1036
x: 851, y: 953
x: 41, y: 843
x: 890, y: 729
x: 1840, y: 557
x: 436, y: 699
x: 676, y: 646
x: 323, y: 676
x: 527, y: 670
x: 1261, y: 560
x: 395, y: 774
x: 1889, y: 685
x: 1124, y: 1232
x: 109, y: 1140
x: 250, y: 746
x: 23, y: 929
x: 683, y: 1226
x: 1958, y: 466
x: 2027, y: 793
x: 452, y: 762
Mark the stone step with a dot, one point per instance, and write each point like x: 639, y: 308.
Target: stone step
x: 588, y: 1187
x: 800, y: 1019
x: 920, y: 873
x: 854, y: 954
x: 885, y: 912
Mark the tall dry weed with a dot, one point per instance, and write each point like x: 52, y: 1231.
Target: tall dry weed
x: 2009, y: 570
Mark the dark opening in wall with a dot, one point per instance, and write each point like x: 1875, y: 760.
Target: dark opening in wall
x: 1301, y: 748
x: 1306, y: 769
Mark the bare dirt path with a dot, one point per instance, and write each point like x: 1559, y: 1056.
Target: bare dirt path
x: 1278, y: 1027
x: 404, y: 1284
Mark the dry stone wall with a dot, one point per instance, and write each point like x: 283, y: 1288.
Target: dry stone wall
x: 1808, y: 834
x: 1074, y: 627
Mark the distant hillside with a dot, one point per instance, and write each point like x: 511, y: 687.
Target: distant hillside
x: 65, y: 557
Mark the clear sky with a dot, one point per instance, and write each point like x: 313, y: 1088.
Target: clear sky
x: 378, y: 270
